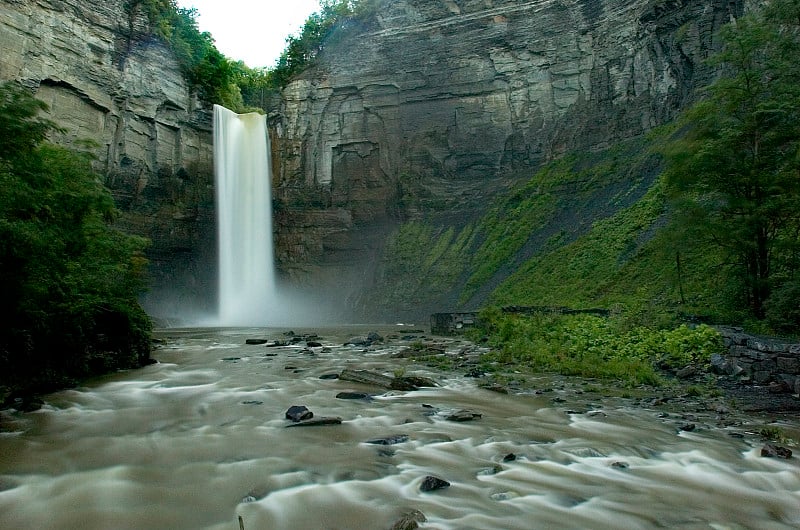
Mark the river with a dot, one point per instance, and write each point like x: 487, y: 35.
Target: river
x: 200, y: 439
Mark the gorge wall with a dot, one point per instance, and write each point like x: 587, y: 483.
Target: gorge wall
x: 424, y: 110
x: 108, y: 81
x: 429, y: 107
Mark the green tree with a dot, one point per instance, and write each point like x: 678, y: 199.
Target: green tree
x: 302, y: 49
x: 70, y: 279
x: 734, y: 165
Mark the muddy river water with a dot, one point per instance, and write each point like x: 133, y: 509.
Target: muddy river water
x: 200, y: 439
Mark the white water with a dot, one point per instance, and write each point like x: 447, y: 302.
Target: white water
x: 244, y: 213
x: 198, y: 440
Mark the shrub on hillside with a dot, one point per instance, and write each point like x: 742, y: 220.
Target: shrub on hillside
x: 70, y: 278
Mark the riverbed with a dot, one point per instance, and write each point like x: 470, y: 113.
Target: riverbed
x: 200, y: 439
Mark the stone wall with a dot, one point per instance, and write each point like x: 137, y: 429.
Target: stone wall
x: 760, y: 360
x: 108, y: 81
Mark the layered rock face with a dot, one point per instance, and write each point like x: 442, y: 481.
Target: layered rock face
x: 107, y: 81
x: 433, y: 104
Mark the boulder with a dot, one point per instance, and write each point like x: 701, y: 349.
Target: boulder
x: 409, y: 521
x: 298, y: 413
x: 463, y: 415
x: 431, y: 483
x: 775, y: 451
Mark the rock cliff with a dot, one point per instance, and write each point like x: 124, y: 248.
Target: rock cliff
x: 428, y: 107
x: 106, y: 80
x: 423, y: 110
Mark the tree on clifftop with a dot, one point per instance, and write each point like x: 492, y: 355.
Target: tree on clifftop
x: 70, y: 280
x: 734, y: 166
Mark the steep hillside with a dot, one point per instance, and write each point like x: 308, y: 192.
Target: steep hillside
x: 409, y: 125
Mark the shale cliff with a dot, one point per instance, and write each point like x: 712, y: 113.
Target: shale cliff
x: 108, y: 81
x: 429, y: 107
x: 423, y: 111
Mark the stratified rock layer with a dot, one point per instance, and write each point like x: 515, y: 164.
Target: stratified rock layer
x: 431, y: 105
x: 108, y: 81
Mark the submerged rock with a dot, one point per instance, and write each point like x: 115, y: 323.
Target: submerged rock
x: 315, y: 422
x: 431, y: 483
x: 389, y: 440
x: 353, y: 395
x: 464, y: 415
x: 298, y: 413
x: 409, y: 521
x: 256, y: 341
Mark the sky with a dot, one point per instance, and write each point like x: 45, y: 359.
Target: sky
x: 253, y: 31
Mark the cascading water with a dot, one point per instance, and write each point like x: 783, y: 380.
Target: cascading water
x: 244, y: 212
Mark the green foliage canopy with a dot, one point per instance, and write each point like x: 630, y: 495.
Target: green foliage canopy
x: 70, y: 279
x: 734, y: 164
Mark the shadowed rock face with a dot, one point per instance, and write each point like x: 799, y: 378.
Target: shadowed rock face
x: 432, y: 104
x: 462, y: 91
x: 424, y: 111
x: 107, y: 81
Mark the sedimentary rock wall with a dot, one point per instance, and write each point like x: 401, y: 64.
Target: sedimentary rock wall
x: 445, y: 99
x: 106, y: 80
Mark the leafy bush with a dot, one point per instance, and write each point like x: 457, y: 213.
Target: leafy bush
x: 71, y: 280
x: 591, y: 346
x: 302, y: 49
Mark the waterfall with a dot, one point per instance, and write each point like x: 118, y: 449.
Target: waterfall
x: 243, y: 173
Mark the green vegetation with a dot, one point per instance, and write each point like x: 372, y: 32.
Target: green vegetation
x: 319, y: 28
x: 591, y: 346
x: 733, y: 167
x: 208, y: 71
x: 422, y: 262
x: 70, y: 279
x: 221, y: 80
x: 537, y: 213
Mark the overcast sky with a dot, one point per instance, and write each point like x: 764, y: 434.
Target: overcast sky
x: 253, y: 31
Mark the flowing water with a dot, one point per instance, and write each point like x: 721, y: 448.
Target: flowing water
x: 200, y: 439
x: 242, y: 170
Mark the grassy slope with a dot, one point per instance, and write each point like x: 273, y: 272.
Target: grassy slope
x: 587, y: 230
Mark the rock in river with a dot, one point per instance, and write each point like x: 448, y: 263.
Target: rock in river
x: 353, y: 395
x: 409, y: 521
x: 298, y: 413
x: 463, y: 415
x: 314, y: 422
x: 389, y: 440
x: 771, y: 450
x: 431, y: 483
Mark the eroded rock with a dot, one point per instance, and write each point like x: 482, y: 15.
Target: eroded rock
x: 431, y: 483
x: 298, y: 413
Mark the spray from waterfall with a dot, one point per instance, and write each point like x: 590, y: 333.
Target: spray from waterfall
x: 243, y: 173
